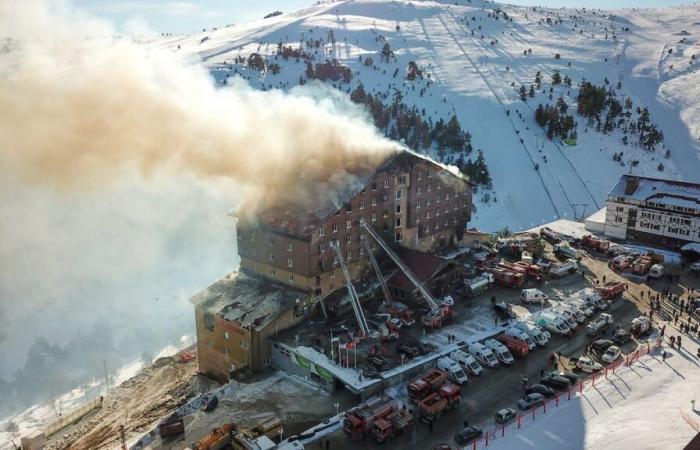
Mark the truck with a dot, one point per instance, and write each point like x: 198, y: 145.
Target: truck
x: 508, y: 278
x: 448, y: 396
x: 453, y: 370
x: 540, y: 336
x: 595, y: 244
x: 386, y: 428
x: 611, y: 289
x: 467, y: 362
x: 360, y: 419
x: 501, y: 351
x: 532, y: 271
x: 641, y: 265
x: 601, y: 323
x: 621, y: 263
x: 521, y: 336
x: 429, y: 382
x: 515, y: 346
x: 550, y: 235
x: 218, y: 438
x: 552, y: 322
x: 482, y: 354
x: 478, y: 284
x: 563, y: 249
x: 564, y: 268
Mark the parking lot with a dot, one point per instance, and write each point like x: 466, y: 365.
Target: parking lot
x: 502, y: 387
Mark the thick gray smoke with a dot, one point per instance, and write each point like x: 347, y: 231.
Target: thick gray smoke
x: 118, y: 164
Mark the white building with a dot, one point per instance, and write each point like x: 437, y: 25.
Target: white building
x: 660, y: 212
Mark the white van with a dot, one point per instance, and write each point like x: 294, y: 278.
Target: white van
x: 482, y: 354
x: 521, y: 336
x: 467, y: 362
x: 500, y: 350
x: 575, y: 313
x: 581, y: 305
x: 453, y: 370
x: 552, y: 322
x: 533, y: 296
x: 591, y: 297
x: 540, y: 336
x: 656, y: 271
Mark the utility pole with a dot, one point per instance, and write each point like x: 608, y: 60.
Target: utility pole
x: 104, y: 365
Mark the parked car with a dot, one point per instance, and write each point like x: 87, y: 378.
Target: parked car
x: 601, y: 345
x: 556, y: 382
x: 530, y: 401
x: 505, y: 415
x: 467, y: 434
x: 611, y: 354
x: 541, y: 389
x: 586, y: 364
x: 621, y: 336
x: 572, y: 377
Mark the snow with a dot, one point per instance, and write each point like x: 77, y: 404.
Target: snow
x: 566, y: 227
x: 644, y: 406
x: 478, y: 81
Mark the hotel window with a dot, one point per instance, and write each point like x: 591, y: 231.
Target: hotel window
x: 270, y: 257
x: 348, y: 224
x: 362, y: 204
x: 322, y: 247
x: 447, y: 196
x: 398, y: 223
x: 362, y: 238
x: 398, y: 209
x: 348, y: 238
x: 429, y: 187
x: 335, y: 227
x: 437, y: 225
x: 374, y: 217
x: 290, y: 247
x: 401, y: 180
x: 427, y: 215
x: 399, y: 236
x: 398, y: 194
x: 419, y: 176
x: 321, y: 232
x: 428, y: 202
x: 419, y: 189
x: 290, y: 263
x: 418, y: 204
x: 273, y: 272
x: 291, y: 277
x: 349, y: 255
x: 386, y: 183
x: 374, y: 202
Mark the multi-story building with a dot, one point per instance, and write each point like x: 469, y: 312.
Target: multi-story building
x: 288, y: 264
x: 661, y: 212
x: 410, y: 200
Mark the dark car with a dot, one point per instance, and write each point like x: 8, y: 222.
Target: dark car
x: 621, y: 336
x: 572, y: 377
x: 601, y: 345
x: 530, y: 401
x: 467, y: 434
x: 556, y: 382
x: 505, y: 415
x: 408, y: 350
x: 541, y: 389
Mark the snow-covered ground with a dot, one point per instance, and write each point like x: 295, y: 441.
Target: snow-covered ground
x: 477, y: 60
x: 39, y: 416
x: 645, y: 406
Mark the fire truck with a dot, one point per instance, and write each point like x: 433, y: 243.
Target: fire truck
x: 508, y: 278
x: 361, y: 419
x: 427, y: 383
x: 599, y: 245
x: 611, y: 289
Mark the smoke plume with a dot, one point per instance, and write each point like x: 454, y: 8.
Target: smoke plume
x: 81, y: 106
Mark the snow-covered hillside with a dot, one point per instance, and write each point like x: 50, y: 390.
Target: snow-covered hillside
x: 474, y: 57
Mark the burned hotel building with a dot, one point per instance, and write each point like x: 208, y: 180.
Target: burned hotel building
x: 288, y: 265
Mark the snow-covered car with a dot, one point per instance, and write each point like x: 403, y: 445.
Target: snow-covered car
x: 505, y: 415
x: 556, y: 382
x: 611, y: 354
x: 601, y: 346
x: 586, y: 364
x: 447, y: 301
x: 530, y: 401
x: 541, y: 389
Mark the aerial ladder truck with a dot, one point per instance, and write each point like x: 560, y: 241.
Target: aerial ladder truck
x: 354, y: 299
x: 438, y: 315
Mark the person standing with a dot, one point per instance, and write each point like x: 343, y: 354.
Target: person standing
x: 679, y: 342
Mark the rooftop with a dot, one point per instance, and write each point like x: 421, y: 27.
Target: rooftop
x: 289, y: 219
x: 423, y: 265
x: 247, y: 299
x: 655, y: 190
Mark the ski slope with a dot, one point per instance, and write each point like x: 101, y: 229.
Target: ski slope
x: 477, y: 64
